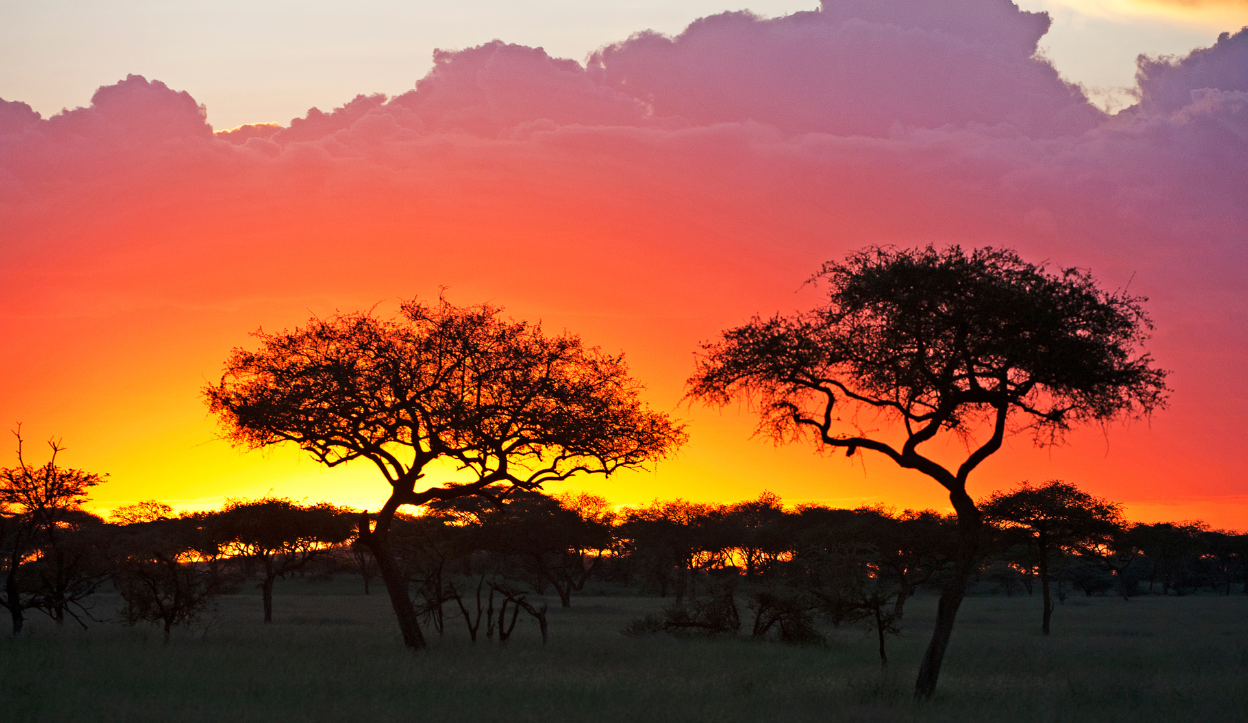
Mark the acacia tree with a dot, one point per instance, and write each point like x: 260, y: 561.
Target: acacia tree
x: 1060, y: 517
x: 167, y: 570
x: 548, y: 539
x: 501, y: 401
x: 939, y: 342
x: 280, y: 534
x: 46, y: 561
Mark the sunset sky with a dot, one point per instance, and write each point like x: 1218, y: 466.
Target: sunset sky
x: 643, y: 189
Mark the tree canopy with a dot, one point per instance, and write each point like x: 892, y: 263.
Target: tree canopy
x: 1060, y: 516
x: 976, y: 345
x: 504, y: 401
x: 939, y: 340
x: 510, y: 406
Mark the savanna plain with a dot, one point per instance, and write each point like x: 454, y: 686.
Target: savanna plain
x: 334, y: 653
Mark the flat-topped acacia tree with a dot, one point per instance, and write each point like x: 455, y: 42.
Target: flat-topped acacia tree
x: 506, y: 404
x: 937, y: 342
x: 1061, y: 517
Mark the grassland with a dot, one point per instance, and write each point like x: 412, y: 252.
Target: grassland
x: 333, y: 654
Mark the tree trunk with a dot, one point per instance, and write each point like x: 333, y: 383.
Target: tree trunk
x: 946, y: 613
x: 565, y: 592
x: 12, y: 599
x: 266, y: 589
x: 969, y: 523
x: 879, y: 631
x: 903, y: 594
x: 1043, y: 540
x: 377, y: 541
x: 18, y: 619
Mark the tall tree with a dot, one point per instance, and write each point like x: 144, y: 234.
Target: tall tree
x: 940, y: 342
x: 1060, y: 517
x: 499, y: 400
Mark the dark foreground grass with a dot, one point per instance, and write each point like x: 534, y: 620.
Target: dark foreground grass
x: 334, y: 654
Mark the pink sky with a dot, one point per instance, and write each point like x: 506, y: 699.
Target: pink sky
x: 670, y: 187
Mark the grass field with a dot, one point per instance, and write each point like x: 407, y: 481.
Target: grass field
x: 334, y: 654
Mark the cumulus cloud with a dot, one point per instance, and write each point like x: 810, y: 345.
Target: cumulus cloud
x: 1166, y: 84
x: 672, y: 186
x: 856, y: 68
x: 495, y: 86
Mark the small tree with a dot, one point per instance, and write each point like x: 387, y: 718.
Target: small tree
x: 1060, y: 517
x: 145, y: 511
x: 939, y: 342
x: 48, y: 564
x: 1172, y: 552
x: 279, y: 534
x: 851, y: 588
x: 758, y: 531
x: 166, y: 571
x: 500, y: 400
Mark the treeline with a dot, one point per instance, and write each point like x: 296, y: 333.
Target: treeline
x: 484, y: 561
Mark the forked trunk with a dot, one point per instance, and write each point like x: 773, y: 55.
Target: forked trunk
x: 969, y: 524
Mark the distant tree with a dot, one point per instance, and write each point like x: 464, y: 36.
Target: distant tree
x: 1118, y: 554
x: 1084, y: 573
x: 939, y: 341
x: 49, y: 563
x: 145, y: 511
x: 71, y: 564
x: 550, y: 540
x: 168, y: 571
x: 364, y: 561
x: 598, y: 515
x: 850, y: 588
x: 1224, y: 555
x: 759, y: 531
x: 500, y: 400
x: 1172, y: 552
x: 1061, y: 518
x: 910, y: 548
x: 280, y: 535
x: 672, y: 541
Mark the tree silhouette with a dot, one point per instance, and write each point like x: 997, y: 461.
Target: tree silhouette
x: 49, y: 562
x: 501, y: 401
x: 549, y: 540
x: 168, y: 571
x: 939, y: 342
x: 1060, y: 517
x: 280, y: 534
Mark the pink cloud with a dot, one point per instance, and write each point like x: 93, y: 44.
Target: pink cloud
x: 1166, y: 83
x: 673, y: 187
x: 856, y: 68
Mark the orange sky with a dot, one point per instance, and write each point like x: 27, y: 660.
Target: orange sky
x: 139, y: 248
